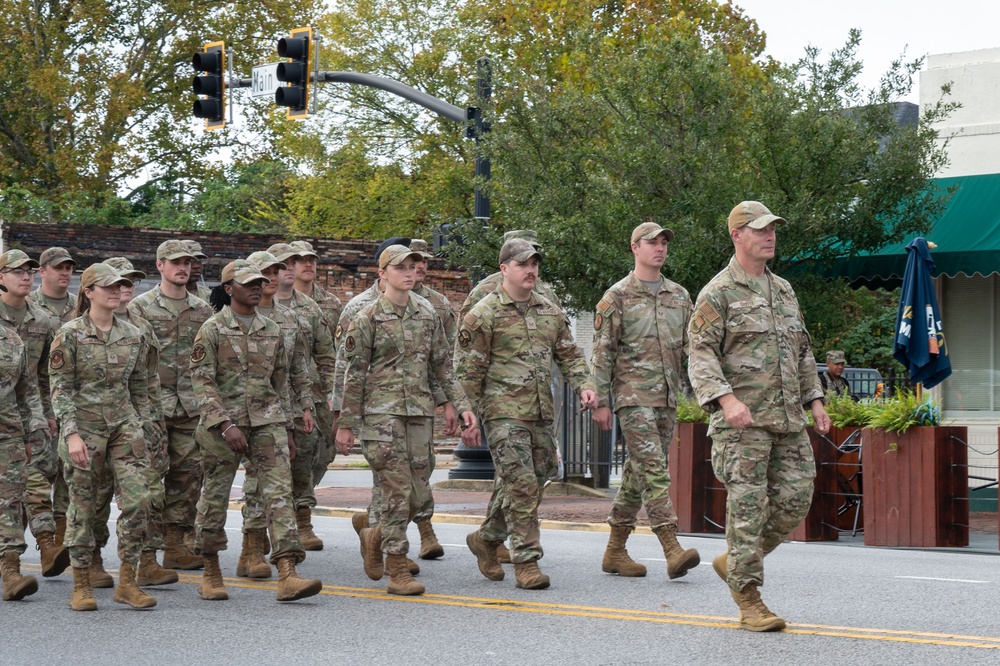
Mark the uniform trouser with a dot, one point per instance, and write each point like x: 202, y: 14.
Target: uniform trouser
x: 326, y: 449
x: 41, y: 474
x: 398, y: 450
x: 424, y: 494
x: 648, y: 432
x: 125, y: 447
x: 524, y: 455
x: 182, y: 483
x: 159, y: 466
x: 12, y: 481
x: 267, y: 460
x: 303, y: 491
x: 769, y: 485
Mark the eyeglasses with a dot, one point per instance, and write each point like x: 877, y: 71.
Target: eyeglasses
x: 22, y: 272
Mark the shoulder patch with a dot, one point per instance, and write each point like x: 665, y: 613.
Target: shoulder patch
x: 598, y: 321
x: 340, y: 332
x: 349, y: 342
x: 604, y: 305
x: 198, y: 353
x: 56, y: 359
x: 704, y: 317
x: 471, y: 321
x: 464, y: 338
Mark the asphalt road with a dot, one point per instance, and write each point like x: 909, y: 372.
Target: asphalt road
x: 844, y: 606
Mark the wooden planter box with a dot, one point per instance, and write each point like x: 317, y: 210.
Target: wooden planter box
x: 820, y: 524
x: 699, y: 498
x: 916, y: 487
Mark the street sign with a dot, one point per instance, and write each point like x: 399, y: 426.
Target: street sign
x: 265, y: 80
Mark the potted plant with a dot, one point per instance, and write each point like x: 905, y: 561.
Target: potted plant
x: 916, y: 476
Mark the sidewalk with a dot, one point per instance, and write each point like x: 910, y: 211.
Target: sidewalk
x: 570, y: 507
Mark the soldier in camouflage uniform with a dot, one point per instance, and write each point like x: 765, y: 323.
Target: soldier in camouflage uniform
x: 330, y: 304
x: 321, y: 356
x: 36, y: 329
x: 15, y: 452
x: 239, y: 367
x: 198, y: 258
x: 255, y: 544
x: 56, y: 270
x: 175, y: 316
x: 503, y: 358
x: 154, y: 430
x: 640, y: 337
x: 752, y: 368
x: 832, y: 379
x: 398, y: 363
x: 106, y: 355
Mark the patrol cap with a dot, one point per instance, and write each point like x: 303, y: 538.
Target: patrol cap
x: 518, y: 249
x: 265, y: 260
x: 242, y: 271
x: 525, y: 234
x: 174, y: 248
x: 195, y: 248
x: 752, y: 214
x: 395, y: 240
x: 125, y: 267
x: 16, y: 259
x: 649, y: 231
x: 102, y: 275
x: 55, y: 256
x: 420, y: 246
x: 395, y: 255
x: 304, y: 248
x: 836, y: 356
x: 284, y: 251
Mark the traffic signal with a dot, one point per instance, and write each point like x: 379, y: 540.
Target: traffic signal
x: 295, y: 73
x: 210, y: 85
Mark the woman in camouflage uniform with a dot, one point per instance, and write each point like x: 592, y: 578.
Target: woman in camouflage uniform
x: 104, y: 354
x: 239, y: 368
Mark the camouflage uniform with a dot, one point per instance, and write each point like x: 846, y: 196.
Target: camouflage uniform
x: 490, y: 283
x: 60, y: 494
x: 322, y: 358
x: 327, y: 450
x: 175, y: 329
x: 203, y: 292
x: 254, y: 516
x: 758, y: 350
x: 15, y: 423
x: 639, y: 346
x: 109, y: 417
x: 503, y: 359
x: 443, y: 307
x: 398, y: 365
x: 242, y: 377
x: 37, y: 331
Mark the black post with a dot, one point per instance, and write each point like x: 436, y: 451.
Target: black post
x: 478, y: 463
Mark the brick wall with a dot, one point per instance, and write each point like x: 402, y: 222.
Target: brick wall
x: 346, y: 267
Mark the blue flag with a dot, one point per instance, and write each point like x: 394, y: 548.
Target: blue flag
x: 920, y: 343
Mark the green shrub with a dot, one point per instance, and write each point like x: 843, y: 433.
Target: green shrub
x: 903, y: 411
x: 689, y: 411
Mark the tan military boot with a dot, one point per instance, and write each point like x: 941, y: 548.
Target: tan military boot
x: 303, y: 520
x: 83, y: 594
x: 290, y: 586
x: 679, y: 561
x: 60, y: 519
x: 15, y: 586
x: 529, y: 576
x: 720, y: 565
x: 151, y: 573
x: 99, y: 578
x: 245, y: 549
x: 754, y: 615
x: 486, y: 555
x: 359, y: 521
x: 55, y: 558
x: 412, y: 566
x: 616, y: 558
x: 400, y: 580
x: 177, y: 555
x: 257, y: 566
x: 503, y: 555
x: 128, y: 592
x: 371, y: 552
x: 430, y: 548
x: 212, y: 588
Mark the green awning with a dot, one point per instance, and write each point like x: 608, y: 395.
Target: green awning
x: 967, y: 236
